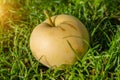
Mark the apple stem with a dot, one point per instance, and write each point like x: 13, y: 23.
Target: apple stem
x: 47, y: 15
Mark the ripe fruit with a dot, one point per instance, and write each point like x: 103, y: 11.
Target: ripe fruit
x: 52, y: 41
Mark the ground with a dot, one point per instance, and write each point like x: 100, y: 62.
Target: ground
x: 19, y: 17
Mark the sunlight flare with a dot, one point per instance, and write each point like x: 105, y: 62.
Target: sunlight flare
x: 1, y: 11
x: 4, y: 12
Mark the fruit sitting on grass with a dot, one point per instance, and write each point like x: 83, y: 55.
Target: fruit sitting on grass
x: 59, y: 40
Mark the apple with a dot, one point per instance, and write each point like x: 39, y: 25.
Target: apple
x: 59, y: 40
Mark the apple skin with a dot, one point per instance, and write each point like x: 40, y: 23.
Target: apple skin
x: 49, y: 43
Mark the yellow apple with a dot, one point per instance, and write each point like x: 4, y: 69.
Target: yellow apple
x: 54, y: 41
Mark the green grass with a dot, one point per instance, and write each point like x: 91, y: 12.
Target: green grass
x: 101, y: 62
